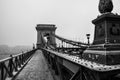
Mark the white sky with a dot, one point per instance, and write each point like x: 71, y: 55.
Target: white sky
x: 18, y: 19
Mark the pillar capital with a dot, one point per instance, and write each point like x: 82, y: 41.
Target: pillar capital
x: 44, y: 27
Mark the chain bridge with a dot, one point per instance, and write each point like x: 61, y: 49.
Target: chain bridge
x: 67, y: 59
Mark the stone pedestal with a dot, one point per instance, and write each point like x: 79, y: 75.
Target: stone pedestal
x: 106, y: 45
x: 107, y: 29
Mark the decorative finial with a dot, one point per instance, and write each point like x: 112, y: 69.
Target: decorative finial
x: 105, y: 6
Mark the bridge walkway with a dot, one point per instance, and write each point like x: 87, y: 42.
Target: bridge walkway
x: 36, y: 69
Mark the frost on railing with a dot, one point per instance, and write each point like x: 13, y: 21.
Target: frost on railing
x: 10, y: 66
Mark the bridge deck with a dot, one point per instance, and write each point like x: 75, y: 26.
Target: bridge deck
x: 36, y: 69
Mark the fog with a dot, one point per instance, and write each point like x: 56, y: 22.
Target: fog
x: 18, y: 19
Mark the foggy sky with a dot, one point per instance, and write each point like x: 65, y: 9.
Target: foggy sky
x: 18, y: 19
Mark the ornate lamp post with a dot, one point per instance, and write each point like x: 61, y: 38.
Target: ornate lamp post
x: 88, y: 37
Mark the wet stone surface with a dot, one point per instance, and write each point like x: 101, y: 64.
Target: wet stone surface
x: 36, y: 69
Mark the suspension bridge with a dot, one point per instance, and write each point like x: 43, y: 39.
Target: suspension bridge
x: 58, y: 58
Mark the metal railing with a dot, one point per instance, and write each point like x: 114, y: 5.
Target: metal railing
x: 10, y: 66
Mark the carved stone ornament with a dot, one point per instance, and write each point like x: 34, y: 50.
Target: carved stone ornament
x: 105, y: 6
x: 115, y: 30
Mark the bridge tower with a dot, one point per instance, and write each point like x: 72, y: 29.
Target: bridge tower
x: 45, y: 30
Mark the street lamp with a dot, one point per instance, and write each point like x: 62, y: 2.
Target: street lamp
x: 88, y: 37
x: 33, y: 46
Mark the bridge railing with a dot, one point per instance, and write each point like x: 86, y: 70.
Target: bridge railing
x: 10, y: 66
x: 74, y: 43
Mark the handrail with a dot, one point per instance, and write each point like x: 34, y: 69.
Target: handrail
x: 5, y: 59
x: 13, y: 64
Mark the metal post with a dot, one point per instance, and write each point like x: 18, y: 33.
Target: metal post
x: 62, y: 44
x: 11, y: 65
x: 88, y: 37
x: 2, y: 71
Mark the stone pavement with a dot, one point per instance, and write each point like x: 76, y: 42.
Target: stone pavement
x: 36, y: 69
